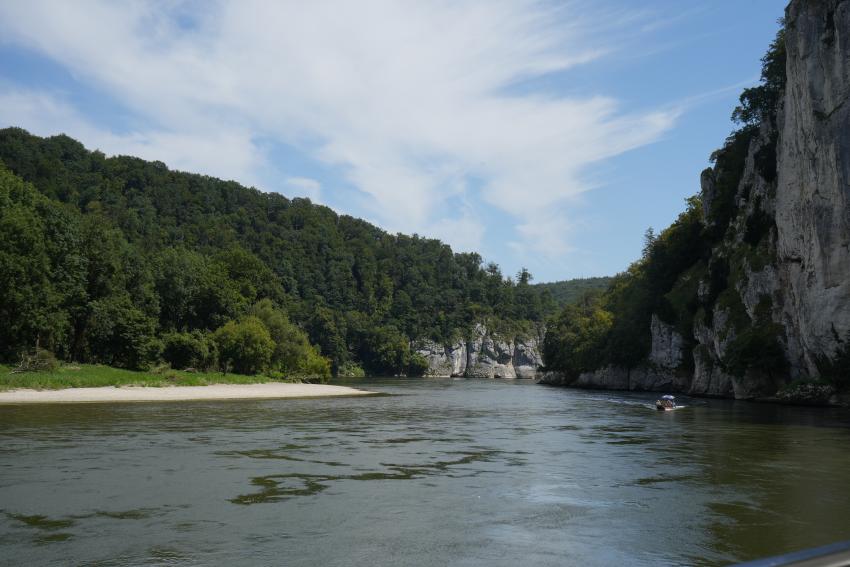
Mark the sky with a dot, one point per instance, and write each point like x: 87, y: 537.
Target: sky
x: 540, y: 134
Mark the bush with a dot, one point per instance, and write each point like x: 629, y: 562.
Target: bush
x: 245, y: 347
x: 806, y: 392
x: 187, y: 350
x: 418, y: 365
x: 350, y: 370
x: 292, y: 354
x: 39, y: 360
x: 757, y: 345
x: 314, y: 367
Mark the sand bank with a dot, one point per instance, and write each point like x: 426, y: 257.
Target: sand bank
x: 178, y: 393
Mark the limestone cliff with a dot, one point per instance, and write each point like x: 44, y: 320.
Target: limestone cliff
x: 813, y: 191
x: 484, y: 354
x: 779, y: 273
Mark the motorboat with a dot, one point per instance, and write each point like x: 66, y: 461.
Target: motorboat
x: 665, y: 403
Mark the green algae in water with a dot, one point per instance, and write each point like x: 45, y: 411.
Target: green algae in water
x: 275, y: 488
x: 41, y: 522
x: 54, y: 537
x: 139, y: 514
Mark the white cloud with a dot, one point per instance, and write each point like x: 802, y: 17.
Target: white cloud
x: 407, y: 98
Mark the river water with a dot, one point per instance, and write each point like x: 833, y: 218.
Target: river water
x: 441, y: 472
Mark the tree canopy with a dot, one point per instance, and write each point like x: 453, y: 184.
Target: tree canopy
x: 124, y: 261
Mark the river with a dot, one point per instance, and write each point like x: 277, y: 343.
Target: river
x: 440, y: 472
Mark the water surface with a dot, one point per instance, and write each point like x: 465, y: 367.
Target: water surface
x: 443, y: 472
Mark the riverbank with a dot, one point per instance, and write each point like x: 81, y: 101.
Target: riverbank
x: 269, y: 390
x: 96, y: 375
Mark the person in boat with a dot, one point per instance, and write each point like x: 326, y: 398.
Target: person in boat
x: 666, y: 402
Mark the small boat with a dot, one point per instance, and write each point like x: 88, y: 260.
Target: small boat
x: 666, y: 403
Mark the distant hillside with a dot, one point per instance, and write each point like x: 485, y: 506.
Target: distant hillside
x: 569, y: 291
x: 122, y: 261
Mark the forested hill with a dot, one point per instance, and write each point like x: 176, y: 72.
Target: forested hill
x: 90, y: 239
x: 567, y: 292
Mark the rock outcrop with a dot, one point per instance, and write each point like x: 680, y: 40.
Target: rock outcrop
x: 784, y: 258
x: 813, y: 189
x: 484, y: 355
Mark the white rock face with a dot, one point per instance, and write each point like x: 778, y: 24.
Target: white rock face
x: 813, y: 190
x: 484, y: 355
x: 443, y: 360
x: 667, y: 344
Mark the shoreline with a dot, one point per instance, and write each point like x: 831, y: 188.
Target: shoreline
x: 108, y: 394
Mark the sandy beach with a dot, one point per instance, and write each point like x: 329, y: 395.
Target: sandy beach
x: 177, y: 393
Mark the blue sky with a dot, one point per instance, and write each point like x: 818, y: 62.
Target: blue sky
x: 548, y: 135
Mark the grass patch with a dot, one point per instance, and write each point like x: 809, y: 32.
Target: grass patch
x: 93, y: 376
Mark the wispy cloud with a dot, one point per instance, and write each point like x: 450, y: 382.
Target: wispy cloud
x: 407, y: 98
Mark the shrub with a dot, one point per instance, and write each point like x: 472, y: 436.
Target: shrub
x: 314, y: 367
x: 187, y: 350
x: 292, y: 354
x: 350, y: 370
x: 418, y: 365
x: 245, y: 347
x: 39, y: 360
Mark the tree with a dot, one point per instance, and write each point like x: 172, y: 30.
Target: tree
x: 293, y: 354
x: 37, y: 268
x: 575, y: 341
x: 119, y: 334
x: 245, y: 347
x: 193, y: 252
x: 759, y: 103
x: 188, y: 350
x: 523, y: 276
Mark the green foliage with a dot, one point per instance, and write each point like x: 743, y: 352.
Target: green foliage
x: 759, y: 103
x: 757, y: 346
x: 384, y: 350
x: 35, y: 270
x: 351, y: 370
x: 92, y: 376
x: 244, y: 346
x: 121, y: 335
x: 576, y: 338
x: 195, y: 291
x: 293, y: 354
x: 39, y: 360
x: 570, y: 291
x: 667, y: 279
x: 192, y: 252
x: 417, y: 365
x: 643, y: 290
x: 188, y: 350
x: 729, y: 162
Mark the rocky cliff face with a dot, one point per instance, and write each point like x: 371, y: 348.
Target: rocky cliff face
x: 813, y: 191
x: 786, y: 252
x: 484, y: 355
